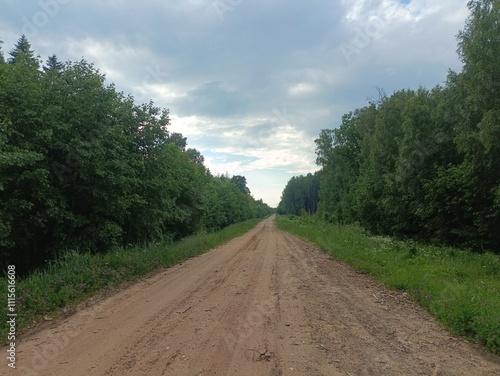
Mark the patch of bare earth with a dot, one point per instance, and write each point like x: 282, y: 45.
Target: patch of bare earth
x: 265, y: 303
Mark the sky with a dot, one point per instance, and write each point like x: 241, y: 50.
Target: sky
x: 249, y: 83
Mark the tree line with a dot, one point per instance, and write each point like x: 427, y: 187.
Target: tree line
x: 84, y: 167
x: 424, y: 163
x: 300, y: 196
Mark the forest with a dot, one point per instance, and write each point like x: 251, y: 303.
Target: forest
x: 421, y: 164
x: 83, y: 167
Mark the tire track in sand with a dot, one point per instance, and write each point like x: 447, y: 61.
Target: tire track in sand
x: 266, y: 303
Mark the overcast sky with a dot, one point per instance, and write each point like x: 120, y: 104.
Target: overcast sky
x: 250, y: 83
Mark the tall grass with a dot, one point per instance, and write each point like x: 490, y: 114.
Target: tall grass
x: 460, y: 288
x: 74, y: 276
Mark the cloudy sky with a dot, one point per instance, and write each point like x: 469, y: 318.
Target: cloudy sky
x: 250, y: 82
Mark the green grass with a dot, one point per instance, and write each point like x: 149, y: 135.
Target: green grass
x: 75, y: 276
x: 460, y: 288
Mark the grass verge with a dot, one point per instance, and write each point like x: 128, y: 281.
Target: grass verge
x: 460, y: 288
x: 75, y: 276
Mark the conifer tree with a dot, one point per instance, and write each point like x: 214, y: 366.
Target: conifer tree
x: 22, y: 53
x: 53, y: 65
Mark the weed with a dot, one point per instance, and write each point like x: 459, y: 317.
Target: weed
x: 75, y: 276
x: 460, y: 288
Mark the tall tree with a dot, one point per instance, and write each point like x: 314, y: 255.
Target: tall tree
x: 340, y: 153
x: 425, y: 163
x: 196, y: 157
x: 241, y: 183
x: 300, y: 195
x: 178, y: 139
x: 22, y: 53
x: 479, y: 133
x: 2, y: 59
x: 84, y: 167
x: 53, y: 65
x: 26, y: 196
x: 479, y: 48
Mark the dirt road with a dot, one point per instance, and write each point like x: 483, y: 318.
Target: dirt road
x: 266, y: 303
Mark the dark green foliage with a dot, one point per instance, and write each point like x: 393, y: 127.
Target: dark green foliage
x: 22, y: 53
x: 241, y: 183
x: 83, y: 167
x: 2, y: 59
x: 300, y: 195
x: 53, y: 65
x: 425, y: 163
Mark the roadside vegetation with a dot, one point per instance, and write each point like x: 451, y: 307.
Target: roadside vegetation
x: 459, y: 287
x: 85, y: 167
x: 95, y: 190
x: 73, y: 276
x: 424, y: 163
x: 408, y: 188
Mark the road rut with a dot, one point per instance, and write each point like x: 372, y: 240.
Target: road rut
x: 266, y: 303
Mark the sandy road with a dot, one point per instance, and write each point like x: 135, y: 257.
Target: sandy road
x: 265, y: 303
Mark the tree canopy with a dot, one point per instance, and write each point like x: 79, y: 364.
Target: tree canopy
x: 84, y: 167
x: 423, y: 163
x: 22, y: 52
x: 300, y: 195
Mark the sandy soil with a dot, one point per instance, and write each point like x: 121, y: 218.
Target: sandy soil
x: 265, y: 303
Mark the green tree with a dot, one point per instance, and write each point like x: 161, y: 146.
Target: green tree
x: 27, y: 201
x: 53, y: 65
x: 424, y: 163
x: 22, y: 53
x: 241, y: 183
x: 178, y: 139
x: 479, y: 133
x: 2, y: 59
x: 340, y: 153
x: 479, y: 48
x: 196, y: 157
x: 300, y: 195
x: 83, y: 167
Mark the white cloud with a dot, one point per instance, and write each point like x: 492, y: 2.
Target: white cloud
x: 252, y: 89
x: 302, y: 88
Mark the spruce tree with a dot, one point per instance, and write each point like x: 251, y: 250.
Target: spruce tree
x: 53, y: 65
x: 22, y: 53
